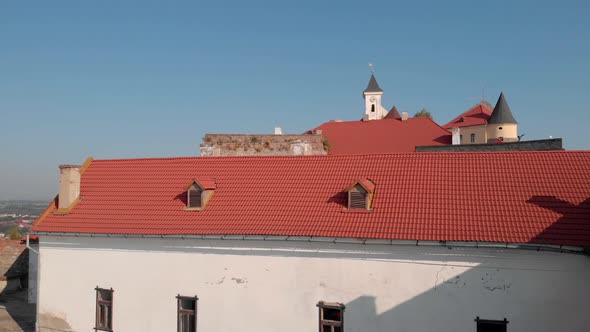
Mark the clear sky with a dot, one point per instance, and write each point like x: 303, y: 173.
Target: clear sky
x: 122, y: 79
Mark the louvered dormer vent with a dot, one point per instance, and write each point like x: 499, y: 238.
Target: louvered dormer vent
x: 360, y: 195
x: 199, y: 193
x: 195, y: 195
x: 357, y: 198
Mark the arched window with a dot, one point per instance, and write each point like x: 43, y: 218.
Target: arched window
x: 373, y: 108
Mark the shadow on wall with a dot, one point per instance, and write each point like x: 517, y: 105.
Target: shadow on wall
x: 17, y: 313
x: 534, y: 291
x: 530, y: 299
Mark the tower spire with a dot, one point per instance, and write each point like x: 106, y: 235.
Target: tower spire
x: 373, y: 86
x: 501, y: 113
x: 372, y: 95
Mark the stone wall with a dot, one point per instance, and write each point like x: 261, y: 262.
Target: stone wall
x: 536, y: 145
x: 216, y: 145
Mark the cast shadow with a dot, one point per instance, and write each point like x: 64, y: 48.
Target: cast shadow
x: 14, y: 297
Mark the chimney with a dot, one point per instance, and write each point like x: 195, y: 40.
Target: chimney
x: 456, y: 132
x: 278, y: 131
x: 405, y: 116
x: 69, y: 185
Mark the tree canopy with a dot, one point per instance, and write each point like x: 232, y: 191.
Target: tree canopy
x: 14, y: 233
x: 423, y: 112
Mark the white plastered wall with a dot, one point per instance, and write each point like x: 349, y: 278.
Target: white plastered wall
x: 275, y: 285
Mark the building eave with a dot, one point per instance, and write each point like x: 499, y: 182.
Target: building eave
x: 340, y: 240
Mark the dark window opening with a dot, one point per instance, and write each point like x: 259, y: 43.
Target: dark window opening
x: 104, y: 309
x: 499, y: 128
x: 472, y: 138
x: 373, y: 108
x: 186, y: 313
x: 331, y: 317
x: 195, y: 196
x: 357, y: 198
x: 461, y: 139
x: 486, y: 325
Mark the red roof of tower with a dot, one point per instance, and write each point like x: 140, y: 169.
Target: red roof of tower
x: 508, y: 197
x: 477, y: 115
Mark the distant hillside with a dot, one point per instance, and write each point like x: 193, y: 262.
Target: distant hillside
x: 22, y: 207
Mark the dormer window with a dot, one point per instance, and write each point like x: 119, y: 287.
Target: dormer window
x: 360, y: 195
x: 357, y: 197
x: 198, y: 193
x: 195, y: 196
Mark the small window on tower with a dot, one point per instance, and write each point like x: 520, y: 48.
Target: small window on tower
x: 373, y: 108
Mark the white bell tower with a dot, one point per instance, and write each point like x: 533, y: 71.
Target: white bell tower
x: 372, y: 94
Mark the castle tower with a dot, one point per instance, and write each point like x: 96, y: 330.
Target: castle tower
x: 372, y: 94
x: 501, y: 124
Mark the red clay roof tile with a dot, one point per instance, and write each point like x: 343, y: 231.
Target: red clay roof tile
x: 477, y: 115
x: 538, y: 197
x: 383, y: 136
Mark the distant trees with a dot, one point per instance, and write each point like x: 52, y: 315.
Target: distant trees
x: 14, y: 233
x: 423, y: 112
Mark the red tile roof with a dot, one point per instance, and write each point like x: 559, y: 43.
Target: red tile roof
x: 518, y: 197
x: 206, y: 183
x: 365, y: 183
x: 477, y: 115
x: 383, y: 136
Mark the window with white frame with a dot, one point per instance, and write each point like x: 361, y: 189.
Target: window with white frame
x: 331, y: 317
x: 104, y: 309
x: 186, y: 313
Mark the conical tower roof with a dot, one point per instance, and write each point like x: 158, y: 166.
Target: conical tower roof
x: 501, y: 113
x: 373, y: 86
x: 393, y: 114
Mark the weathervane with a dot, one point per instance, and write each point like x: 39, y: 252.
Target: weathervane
x: 482, y: 97
x: 371, y: 69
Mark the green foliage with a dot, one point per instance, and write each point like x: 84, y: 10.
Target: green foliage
x: 423, y: 112
x: 14, y: 233
x: 326, y: 144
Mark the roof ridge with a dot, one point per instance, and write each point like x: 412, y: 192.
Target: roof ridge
x: 352, y: 155
x: 431, y: 120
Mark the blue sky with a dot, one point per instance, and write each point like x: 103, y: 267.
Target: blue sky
x: 122, y: 79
